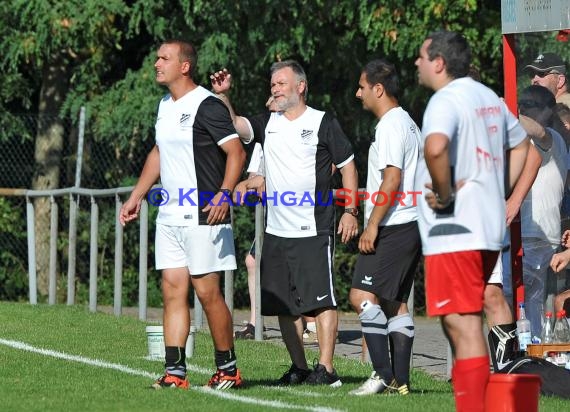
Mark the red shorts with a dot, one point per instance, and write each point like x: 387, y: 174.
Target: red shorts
x: 455, y: 282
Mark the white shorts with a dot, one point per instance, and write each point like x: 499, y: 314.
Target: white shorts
x: 202, y: 249
x: 497, y: 274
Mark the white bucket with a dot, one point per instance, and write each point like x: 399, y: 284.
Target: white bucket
x: 155, y: 339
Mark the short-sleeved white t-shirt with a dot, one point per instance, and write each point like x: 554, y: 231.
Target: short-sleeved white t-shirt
x: 396, y: 143
x: 540, y: 211
x: 256, y: 164
x: 480, y: 128
x: 298, y: 157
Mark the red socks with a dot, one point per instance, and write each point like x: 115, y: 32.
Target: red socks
x: 470, y: 378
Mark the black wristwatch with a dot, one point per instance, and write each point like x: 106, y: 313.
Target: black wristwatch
x: 226, y: 192
x: 447, y: 202
x: 352, y: 211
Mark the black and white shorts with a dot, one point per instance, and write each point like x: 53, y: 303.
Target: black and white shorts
x: 389, y: 272
x: 296, y: 275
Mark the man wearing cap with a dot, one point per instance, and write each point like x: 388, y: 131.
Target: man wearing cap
x: 549, y: 70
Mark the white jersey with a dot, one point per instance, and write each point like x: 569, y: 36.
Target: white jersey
x: 189, y: 132
x: 256, y: 163
x: 479, y: 127
x: 540, y: 211
x: 396, y: 143
x: 299, y: 155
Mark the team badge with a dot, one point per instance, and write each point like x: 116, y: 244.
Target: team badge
x: 306, y: 136
x: 185, y: 120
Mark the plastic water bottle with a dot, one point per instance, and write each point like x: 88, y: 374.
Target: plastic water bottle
x: 561, y: 329
x: 547, y: 335
x: 523, y: 329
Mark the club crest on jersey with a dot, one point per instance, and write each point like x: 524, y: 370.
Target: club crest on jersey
x: 185, y: 120
x: 306, y: 136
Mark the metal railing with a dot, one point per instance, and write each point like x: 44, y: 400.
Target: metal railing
x: 94, y: 195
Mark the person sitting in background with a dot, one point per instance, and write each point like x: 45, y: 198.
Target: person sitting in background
x: 558, y: 263
x: 540, y: 210
x: 498, y: 313
x: 549, y: 70
x: 563, y: 113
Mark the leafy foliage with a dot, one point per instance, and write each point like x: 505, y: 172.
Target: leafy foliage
x: 109, y: 49
x: 13, y: 273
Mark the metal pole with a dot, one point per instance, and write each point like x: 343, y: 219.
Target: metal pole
x: 229, y: 290
x: 80, y: 138
x: 32, y: 271
x: 117, y: 305
x: 229, y: 279
x: 52, y: 283
x: 449, y: 360
x: 198, y: 312
x: 259, y: 229
x: 411, y: 300
x: 411, y: 310
x: 143, y: 260
x: 73, y: 206
x: 93, y: 255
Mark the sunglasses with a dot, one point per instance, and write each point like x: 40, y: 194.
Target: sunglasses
x: 542, y: 74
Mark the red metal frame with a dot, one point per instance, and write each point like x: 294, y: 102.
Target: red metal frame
x: 510, y: 84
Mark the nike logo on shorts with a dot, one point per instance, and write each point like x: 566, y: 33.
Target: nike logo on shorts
x: 442, y: 303
x: 319, y: 298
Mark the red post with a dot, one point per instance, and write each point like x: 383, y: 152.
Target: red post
x: 510, y: 74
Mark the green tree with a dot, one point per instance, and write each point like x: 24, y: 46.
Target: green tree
x: 51, y: 47
x: 60, y: 55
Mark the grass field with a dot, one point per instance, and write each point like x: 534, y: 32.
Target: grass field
x: 60, y: 358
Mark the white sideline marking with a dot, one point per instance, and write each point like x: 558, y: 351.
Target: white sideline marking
x: 297, y: 392
x: 76, y: 358
x: 137, y: 372
x: 256, y: 401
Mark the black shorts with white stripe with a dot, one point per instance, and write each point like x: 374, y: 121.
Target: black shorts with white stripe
x: 389, y: 272
x: 296, y: 275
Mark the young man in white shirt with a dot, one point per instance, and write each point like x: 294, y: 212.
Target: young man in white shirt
x: 390, y: 245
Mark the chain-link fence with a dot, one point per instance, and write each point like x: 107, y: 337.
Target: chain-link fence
x: 41, y: 152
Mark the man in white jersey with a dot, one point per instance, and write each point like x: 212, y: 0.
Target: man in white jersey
x: 462, y: 219
x: 300, y: 146
x: 199, y: 160
x: 390, y: 245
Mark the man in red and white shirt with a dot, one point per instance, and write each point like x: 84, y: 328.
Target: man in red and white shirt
x: 466, y: 130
